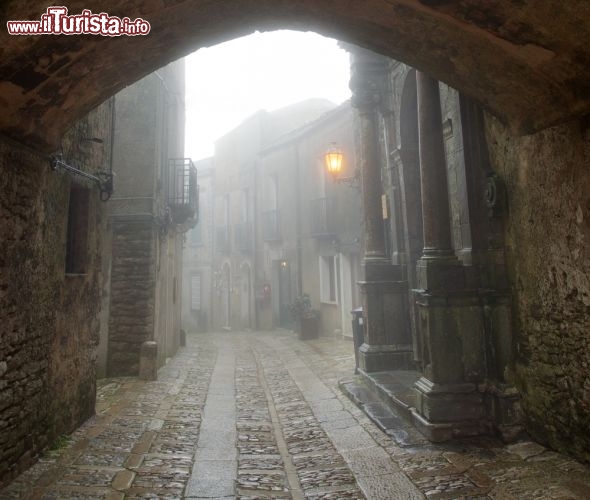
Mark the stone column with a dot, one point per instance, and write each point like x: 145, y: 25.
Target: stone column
x: 448, y: 403
x: 438, y: 268
x: 387, y: 340
x: 436, y: 224
x: 366, y: 99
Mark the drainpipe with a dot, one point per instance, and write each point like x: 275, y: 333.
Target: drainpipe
x: 298, y: 220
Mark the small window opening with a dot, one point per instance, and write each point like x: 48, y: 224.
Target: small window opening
x: 77, y: 235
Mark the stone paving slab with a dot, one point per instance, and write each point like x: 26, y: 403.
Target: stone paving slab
x: 260, y: 416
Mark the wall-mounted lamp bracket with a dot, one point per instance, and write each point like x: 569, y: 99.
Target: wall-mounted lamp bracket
x: 103, y: 180
x: 352, y: 180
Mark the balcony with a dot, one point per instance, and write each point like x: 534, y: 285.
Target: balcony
x: 270, y: 223
x: 222, y: 240
x: 183, y: 191
x: 323, y: 218
x: 244, y: 237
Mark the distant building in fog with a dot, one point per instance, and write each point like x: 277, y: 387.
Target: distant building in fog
x: 198, y: 256
x: 309, y: 235
x: 147, y: 216
x: 280, y: 226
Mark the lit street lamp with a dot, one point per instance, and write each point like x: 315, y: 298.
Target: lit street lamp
x: 334, y: 159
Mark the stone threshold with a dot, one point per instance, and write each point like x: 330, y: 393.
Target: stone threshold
x: 388, y: 399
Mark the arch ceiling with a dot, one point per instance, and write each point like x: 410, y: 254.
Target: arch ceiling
x: 527, y: 61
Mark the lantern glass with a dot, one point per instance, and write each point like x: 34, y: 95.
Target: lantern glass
x: 333, y: 160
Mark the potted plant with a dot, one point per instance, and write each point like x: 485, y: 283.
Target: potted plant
x: 307, y: 318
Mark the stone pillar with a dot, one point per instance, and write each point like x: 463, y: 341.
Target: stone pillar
x: 448, y: 403
x: 365, y: 100
x: 438, y: 268
x: 436, y: 224
x: 387, y: 340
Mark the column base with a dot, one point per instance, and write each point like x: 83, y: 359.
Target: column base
x: 440, y: 273
x: 379, y: 358
x: 445, y: 411
x: 387, y: 342
x: 505, y: 410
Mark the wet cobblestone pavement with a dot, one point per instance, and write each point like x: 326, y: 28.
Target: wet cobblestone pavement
x: 260, y: 416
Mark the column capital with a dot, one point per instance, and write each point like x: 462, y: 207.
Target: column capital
x: 366, y: 95
x: 368, y: 72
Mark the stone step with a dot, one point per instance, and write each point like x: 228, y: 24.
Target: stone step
x: 391, y: 413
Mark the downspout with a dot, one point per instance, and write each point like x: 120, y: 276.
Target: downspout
x: 298, y: 220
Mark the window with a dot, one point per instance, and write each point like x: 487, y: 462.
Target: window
x: 77, y: 233
x: 329, y: 279
x: 196, y: 292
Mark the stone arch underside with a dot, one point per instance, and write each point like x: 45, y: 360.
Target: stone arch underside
x: 526, y: 62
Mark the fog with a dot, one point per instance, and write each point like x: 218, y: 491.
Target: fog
x: 228, y: 82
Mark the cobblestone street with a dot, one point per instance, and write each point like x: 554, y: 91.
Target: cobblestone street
x: 260, y: 415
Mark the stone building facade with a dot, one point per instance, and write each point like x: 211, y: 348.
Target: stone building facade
x: 308, y: 230
x: 87, y: 280
x: 450, y: 265
x: 51, y: 240
x: 143, y: 271
x: 437, y: 302
x: 197, y: 266
x: 235, y: 210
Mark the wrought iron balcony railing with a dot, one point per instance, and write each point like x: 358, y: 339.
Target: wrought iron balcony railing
x: 183, y: 191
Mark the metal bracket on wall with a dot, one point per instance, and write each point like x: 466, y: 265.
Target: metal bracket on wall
x: 494, y: 195
x: 104, y: 180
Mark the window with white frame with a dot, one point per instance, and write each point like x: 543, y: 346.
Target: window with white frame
x: 329, y: 279
x: 196, y: 292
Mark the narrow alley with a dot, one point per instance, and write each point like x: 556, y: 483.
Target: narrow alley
x: 260, y: 415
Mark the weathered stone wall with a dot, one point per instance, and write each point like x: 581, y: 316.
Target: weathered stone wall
x: 146, y: 246
x: 133, y: 283
x: 548, y: 226
x: 49, y: 320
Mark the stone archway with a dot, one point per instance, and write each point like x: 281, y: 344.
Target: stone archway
x: 522, y: 62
